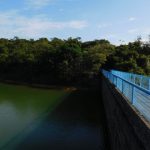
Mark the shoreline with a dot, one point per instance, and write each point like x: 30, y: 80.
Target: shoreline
x: 41, y: 86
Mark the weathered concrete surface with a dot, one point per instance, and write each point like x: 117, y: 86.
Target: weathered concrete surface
x: 127, y: 131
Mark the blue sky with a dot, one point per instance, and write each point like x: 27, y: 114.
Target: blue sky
x: 115, y: 20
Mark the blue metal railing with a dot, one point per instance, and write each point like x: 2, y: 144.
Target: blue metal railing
x: 136, y: 88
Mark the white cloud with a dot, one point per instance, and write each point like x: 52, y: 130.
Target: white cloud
x: 132, y: 19
x: 140, y: 31
x: 36, y: 4
x: 111, y: 36
x: 133, y: 31
x: 13, y: 24
x: 146, y: 30
x: 104, y: 25
x: 76, y: 24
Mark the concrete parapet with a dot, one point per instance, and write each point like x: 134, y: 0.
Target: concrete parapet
x: 127, y: 129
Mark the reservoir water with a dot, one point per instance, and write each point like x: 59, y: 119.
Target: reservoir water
x: 46, y: 119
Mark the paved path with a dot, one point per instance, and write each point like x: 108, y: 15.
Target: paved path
x: 76, y: 124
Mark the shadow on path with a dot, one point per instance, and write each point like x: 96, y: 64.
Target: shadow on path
x: 76, y: 124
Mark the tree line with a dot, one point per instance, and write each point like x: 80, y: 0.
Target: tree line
x: 132, y: 57
x: 58, y: 61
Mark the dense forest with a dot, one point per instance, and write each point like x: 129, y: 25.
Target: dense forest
x: 133, y: 57
x: 58, y: 61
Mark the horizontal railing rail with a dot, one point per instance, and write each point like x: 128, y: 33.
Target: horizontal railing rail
x: 133, y: 88
x: 142, y: 81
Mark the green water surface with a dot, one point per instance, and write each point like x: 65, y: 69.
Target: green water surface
x: 22, y: 109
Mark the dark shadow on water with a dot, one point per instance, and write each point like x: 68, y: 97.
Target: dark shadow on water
x: 76, y: 124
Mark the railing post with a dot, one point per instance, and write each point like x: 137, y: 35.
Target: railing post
x: 116, y: 81
x: 134, y: 79
x: 140, y: 81
x: 113, y: 79
x: 132, y: 100
x: 149, y: 84
x: 122, y: 87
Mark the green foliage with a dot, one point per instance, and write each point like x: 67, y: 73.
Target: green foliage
x: 134, y: 57
x: 58, y: 61
x: 55, y: 61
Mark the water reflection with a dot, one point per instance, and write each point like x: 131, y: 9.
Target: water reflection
x: 76, y: 124
x: 20, y: 107
x: 28, y: 120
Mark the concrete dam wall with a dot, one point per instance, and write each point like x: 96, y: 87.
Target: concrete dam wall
x: 127, y: 129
